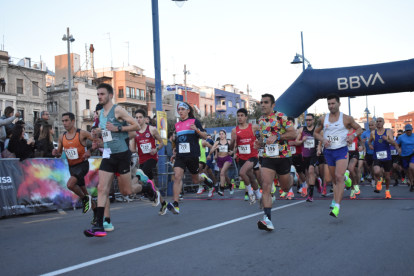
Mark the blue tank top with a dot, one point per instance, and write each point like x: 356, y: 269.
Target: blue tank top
x: 381, y: 148
x: 117, y: 144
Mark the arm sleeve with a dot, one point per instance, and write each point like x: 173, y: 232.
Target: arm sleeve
x: 7, y: 121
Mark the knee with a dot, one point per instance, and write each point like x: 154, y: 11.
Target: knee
x: 339, y: 178
x: 222, y: 174
x: 125, y: 191
x: 71, y: 185
x: 311, y: 170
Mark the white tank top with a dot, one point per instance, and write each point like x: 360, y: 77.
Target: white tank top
x: 335, y: 132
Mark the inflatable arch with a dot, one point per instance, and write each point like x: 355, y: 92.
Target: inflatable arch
x: 374, y: 79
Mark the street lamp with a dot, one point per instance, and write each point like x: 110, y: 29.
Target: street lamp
x: 349, y: 103
x: 179, y: 3
x: 185, y: 80
x: 69, y: 38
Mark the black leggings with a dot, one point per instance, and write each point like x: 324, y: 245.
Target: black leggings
x: 148, y: 166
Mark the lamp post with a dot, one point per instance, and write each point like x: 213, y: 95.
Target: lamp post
x: 349, y: 103
x: 69, y: 38
x: 301, y: 59
x: 157, y: 55
x: 185, y: 80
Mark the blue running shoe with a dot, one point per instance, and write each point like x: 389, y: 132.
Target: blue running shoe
x: 332, y: 204
x: 173, y: 209
x: 108, y: 226
x: 142, y: 176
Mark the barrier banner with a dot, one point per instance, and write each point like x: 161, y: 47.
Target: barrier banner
x: 37, y: 185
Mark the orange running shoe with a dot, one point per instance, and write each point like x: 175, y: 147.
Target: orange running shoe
x: 290, y: 196
x: 378, y: 188
x: 304, y: 192
x: 387, y: 195
x: 353, y: 196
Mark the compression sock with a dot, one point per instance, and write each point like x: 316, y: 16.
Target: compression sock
x: 268, y: 213
x: 100, y: 215
x: 311, y: 190
x: 108, y: 220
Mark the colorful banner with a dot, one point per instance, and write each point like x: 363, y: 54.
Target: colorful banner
x: 37, y: 185
x: 162, y: 125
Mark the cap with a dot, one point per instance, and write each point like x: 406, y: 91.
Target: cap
x: 408, y: 127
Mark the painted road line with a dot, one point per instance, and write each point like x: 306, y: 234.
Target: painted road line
x: 40, y: 220
x: 141, y: 248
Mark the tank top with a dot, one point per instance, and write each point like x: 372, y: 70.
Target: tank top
x: 381, y: 148
x: 393, y: 149
x: 145, y: 143
x: 245, y: 143
x: 354, y: 145
x: 74, y: 149
x: 309, y: 145
x: 335, y: 132
x: 202, y: 157
x: 114, y: 141
x: 295, y: 150
x: 223, y: 148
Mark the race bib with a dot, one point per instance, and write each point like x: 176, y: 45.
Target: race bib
x: 72, y: 154
x: 293, y: 149
x: 146, y: 148
x: 207, y: 150
x: 184, y: 148
x: 393, y: 152
x: 245, y: 149
x: 382, y: 154
x: 361, y: 155
x: 223, y: 148
x: 261, y: 152
x: 309, y: 143
x: 351, y: 147
x: 335, y: 141
x: 106, y: 136
x: 106, y: 153
x: 272, y: 150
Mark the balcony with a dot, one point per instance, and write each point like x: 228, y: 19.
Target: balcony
x: 221, y: 108
x: 135, y: 97
x: 206, y: 95
x: 88, y: 115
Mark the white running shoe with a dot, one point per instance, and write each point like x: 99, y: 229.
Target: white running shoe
x: 156, y: 200
x: 265, y: 224
x: 200, y: 190
x: 211, y: 192
x: 373, y: 184
x: 252, y: 198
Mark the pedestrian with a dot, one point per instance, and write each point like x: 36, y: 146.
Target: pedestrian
x: 3, y: 84
x: 19, y: 146
x: 46, y: 141
x: 44, y: 118
x: 6, y: 123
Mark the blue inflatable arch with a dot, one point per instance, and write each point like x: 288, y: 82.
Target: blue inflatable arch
x: 374, y: 79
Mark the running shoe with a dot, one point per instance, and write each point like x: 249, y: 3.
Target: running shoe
x: 324, y: 191
x: 403, y: 180
x: 309, y: 199
x: 220, y: 192
x: 231, y: 188
x: 173, y: 209
x: 201, y: 190
x: 261, y: 203
x: 108, y: 226
x: 246, y: 197
x: 86, y: 204
x: 95, y: 231
x: 378, y: 187
x: 283, y: 195
x: 290, y: 195
x: 273, y: 198
x: 299, y: 191
x: 395, y: 182
x: 252, y: 198
x: 387, y: 195
x: 280, y: 191
x: 273, y: 189
x: 353, y: 196
x: 357, y: 190
x: 211, y: 192
x: 372, y: 183
x: 335, y: 212
x: 141, y: 176
x: 319, y: 185
x: 304, y: 192
x: 332, y: 204
x: 331, y: 190
x: 156, y: 201
x: 94, y: 218
x: 265, y: 224
x: 412, y: 189
x: 163, y: 209
x: 207, y: 180
x: 180, y: 197
x: 348, y: 181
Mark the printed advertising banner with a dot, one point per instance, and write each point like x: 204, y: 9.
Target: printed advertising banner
x: 162, y: 125
x: 37, y: 185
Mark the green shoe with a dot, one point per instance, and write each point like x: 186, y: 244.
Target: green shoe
x: 334, y: 212
x: 332, y: 204
x: 283, y: 195
x: 348, y: 181
x: 246, y: 197
x: 356, y: 187
x: 273, y: 189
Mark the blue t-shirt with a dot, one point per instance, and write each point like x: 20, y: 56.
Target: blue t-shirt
x: 407, y: 144
x: 364, y: 135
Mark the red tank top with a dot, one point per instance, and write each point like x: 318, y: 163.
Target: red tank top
x: 73, y: 148
x: 295, y: 150
x: 245, y: 143
x: 354, y: 145
x: 145, y: 142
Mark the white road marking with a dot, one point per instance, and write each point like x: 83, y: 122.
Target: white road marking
x: 127, y: 252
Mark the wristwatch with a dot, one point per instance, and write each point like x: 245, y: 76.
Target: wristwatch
x: 355, y: 134
x: 119, y: 128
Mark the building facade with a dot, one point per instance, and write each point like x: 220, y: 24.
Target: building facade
x: 226, y: 103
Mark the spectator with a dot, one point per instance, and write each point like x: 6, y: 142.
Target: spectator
x: 19, y: 146
x: 36, y: 131
x: 6, y: 143
x: 23, y: 124
x: 96, y: 117
x: 148, y: 120
x: 169, y: 148
x: 44, y: 117
x: 46, y: 141
x: 4, y: 123
x: 8, y: 112
x: 95, y: 134
x: 3, y: 85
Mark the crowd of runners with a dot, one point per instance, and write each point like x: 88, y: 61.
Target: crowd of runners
x: 332, y: 153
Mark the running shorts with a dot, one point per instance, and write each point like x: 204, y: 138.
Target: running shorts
x: 257, y: 167
x: 254, y: 160
x: 191, y: 163
x: 297, y: 161
x: 321, y: 159
x: 333, y: 155
x: 386, y: 164
x: 406, y: 160
x: 396, y: 159
x: 147, y: 167
x: 310, y: 161
x: 79, y: 171
x: 353, y: 155
x: 203, y: 164
x: 280, y: 165
x: 369, y: 158
x: 117, y: 163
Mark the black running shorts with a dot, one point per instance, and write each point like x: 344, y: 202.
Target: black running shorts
x: 147, y: 167
x: 117, y: 163
x: 369, y: 158
x: 280, y: 165
x: 79, y: 171
x: 387, y: 164
x: 396, y: 159
x: 297, y: 161
x: 254, y: 160
x: 353, y: 155
x: 191, y: 163
x: 321, y: 159
x: 203, y: 165
x: 310, y: 161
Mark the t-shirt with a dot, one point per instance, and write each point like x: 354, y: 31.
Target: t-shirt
x: 275, y: 123
x: 364, y: 135
x: 407, y: 144
x: 187, y: 139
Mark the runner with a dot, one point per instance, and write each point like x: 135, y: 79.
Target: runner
x: 327, y: 178
x: 369, y: 158
x: 204, y: 145
x: 396, y: 160
x: 275, y: 131
x: 145, y: 145
x: 406, y: 141
x: 297, y: 160
x: 187, y: 153
x: 73, y: 141
x: 381, y: 139
x: 113, y: 121
x: 244, y: 135
x: 209, y: 170
x: 353, y: 150
x: 335, y: 140
x: 224, y: 160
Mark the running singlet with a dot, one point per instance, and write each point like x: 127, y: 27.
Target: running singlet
x: 393, y: 149
x: 274, y: 124
x: 295, y: 150
x: 187, y: 139
x: 145, y: 143
x: 202, y: 157
x: 309, y: 145
x: 354, y: 145
x: 382, y: 150
x: 114, y: 141
x: 74, y: 149
x: 223, y: 148
x: 245, y: 143
x: 335, y: 132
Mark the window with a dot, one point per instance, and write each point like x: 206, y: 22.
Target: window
x: 88, y: 128
x: 35, y: 88
x: 223, y: 102
x: 142, y: 94
x: 19, y: 86
x: 21, y: 111
x: 55, y: 106
x: 238, y: 105
x: 128, y: 92
x: 230, y: 103
x: 120, y: 92
x: 88, y: 105
x: 132, y: 92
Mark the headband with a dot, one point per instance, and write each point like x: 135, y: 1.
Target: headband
x: 223, y: 131
x: 184, y: 105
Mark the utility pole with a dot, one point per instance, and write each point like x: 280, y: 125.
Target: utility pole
x: 128, y: 51
x: 69, y: 77
x: 185, y: 82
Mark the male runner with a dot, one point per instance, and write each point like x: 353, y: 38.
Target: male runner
x: 209, y: 170
x: 353, y: 150
x: 369, y: 158
x: 335, y: 140
x: 244, y: 135
x: 116, y: 156
x: 396, y: 160
x: 202, y: 163
x: 73, y: 140
x: 275, y: 131
x: 406, y: 141
x: 297, y: 160
x: 381, y: 139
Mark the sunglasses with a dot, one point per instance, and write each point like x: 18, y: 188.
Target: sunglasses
x: 308, y: 120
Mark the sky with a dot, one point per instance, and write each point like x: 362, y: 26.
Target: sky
x: 240, y: 42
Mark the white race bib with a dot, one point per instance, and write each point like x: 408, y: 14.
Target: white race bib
x: 106, y: 136
x: 361, y: 155
x: 309, y: 143
x: 351, y: 147
x: 393, y: 152
x: 293, y: 149
x: 261, y: 150
x: 146, y: 148
x: 335, y: 141
x: 207, y: 150
x: 184, y: 148
x: 272, y: 150
x: 106, y: 153
x: 223, y: 148
x: 245, y: 149
x: 382, y: 154
x: 72, y: 154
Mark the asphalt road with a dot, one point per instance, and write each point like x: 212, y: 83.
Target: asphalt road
x: 372, y: 236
